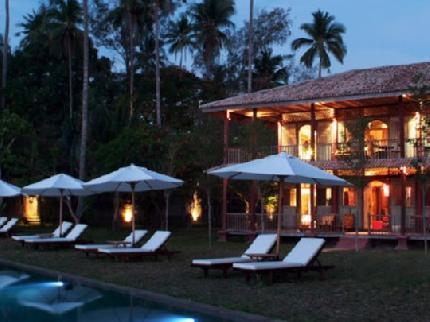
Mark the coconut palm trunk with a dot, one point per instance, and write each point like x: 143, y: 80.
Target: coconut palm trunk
x: 84, y: 125
x: 131, y: 27
x: 5, y: 52
x: 251, y: 44
x: 157, y: 64
x: 70, y: 71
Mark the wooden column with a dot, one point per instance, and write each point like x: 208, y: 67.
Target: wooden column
x: 401, y: 127
x: 299, y: 204
x: 313, y: 206
x: 403, y: 202
x: 314, y: 152
x: 223, y: 233
x: 226, y: 135
x: 313, y: 131
x: 403, y: 174
x: 252, y: 203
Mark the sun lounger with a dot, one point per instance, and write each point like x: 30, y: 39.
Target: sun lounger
x: 154, y: 246
x: 9, y: 227
x: 3, y: 220
x: 263, y: 244
x: 93, y: 248
x: 56, y: 233
x: 303, y: 257
x: 55, y: 242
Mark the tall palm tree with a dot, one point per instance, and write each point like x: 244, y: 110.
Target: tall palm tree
x: 84, y: 122
x: 269, y: 70
x: 167, y: 6
x: 250, y: 44
x: 325, y: 37
x: 179, y: 37
x: 35, y: 27
x: 65, y: 17
x: 211, y: 19
x: 130, y: 16
x: 5, y: 54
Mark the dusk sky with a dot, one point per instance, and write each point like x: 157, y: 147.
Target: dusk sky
x: 379, y: 32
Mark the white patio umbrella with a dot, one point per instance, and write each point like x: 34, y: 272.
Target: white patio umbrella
x: 9, y: 190
x: 60, y: 185
x: 132, y: 179
x: 281, y: 167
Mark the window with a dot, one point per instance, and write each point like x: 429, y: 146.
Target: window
x: 324, y: 196
x: 349, y: 198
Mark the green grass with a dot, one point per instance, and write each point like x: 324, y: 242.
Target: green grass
x: 372, y: 285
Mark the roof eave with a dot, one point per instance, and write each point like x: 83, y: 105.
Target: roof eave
x: 266, y: 104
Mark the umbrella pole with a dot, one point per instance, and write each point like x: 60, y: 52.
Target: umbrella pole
x: 278, y: 230
x: 133, y: 220
x: 61, y: 213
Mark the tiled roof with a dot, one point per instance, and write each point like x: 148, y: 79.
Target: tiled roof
x: 366, y: 83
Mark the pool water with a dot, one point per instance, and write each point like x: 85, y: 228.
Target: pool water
x: 27, y: 297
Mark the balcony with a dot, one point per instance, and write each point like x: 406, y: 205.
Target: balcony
x: 370, y: 150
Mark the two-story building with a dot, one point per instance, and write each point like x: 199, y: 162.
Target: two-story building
x: 364, y: 125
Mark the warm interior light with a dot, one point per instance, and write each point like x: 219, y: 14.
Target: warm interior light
x: 127, y: 213
x: 195, y: 207
x: 228, y: 115
x: 31, y: 210
x: 279, y: 128
x: 386, y: 190
x: 404, y: 170
x: 306, y: 219
x: 333, y: 130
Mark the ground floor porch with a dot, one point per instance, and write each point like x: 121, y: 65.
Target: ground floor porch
x: 394, y: 207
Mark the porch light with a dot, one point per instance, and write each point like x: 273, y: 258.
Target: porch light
x: 228, y: 115
x: 127, y: 213
x: 386, y: 190
x: 404, y: 170
x: 31, y: 209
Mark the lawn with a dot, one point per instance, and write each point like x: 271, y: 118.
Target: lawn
x: 372, y: 285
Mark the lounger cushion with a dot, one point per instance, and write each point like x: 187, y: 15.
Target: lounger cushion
x: 261, y: 245
x: 220, y: 261
x: 139, y: 234
x: 259, y: 266
x: 72, y: 236
x: 9, y: 225
x: 65, y: 227
x: 299, y: 256
x: 153, y: 244
x: 2, y: 220
x: 304, y: 251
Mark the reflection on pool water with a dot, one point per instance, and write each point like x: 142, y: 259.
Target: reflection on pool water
x: 26, y: 297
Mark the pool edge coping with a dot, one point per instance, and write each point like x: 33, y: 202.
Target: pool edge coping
x: 181, y: 303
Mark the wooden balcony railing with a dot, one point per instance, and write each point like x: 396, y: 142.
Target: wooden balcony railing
x: 328, y: 223
x: 370, y: 150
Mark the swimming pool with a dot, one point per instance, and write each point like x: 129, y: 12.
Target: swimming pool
x: 29, y: 297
